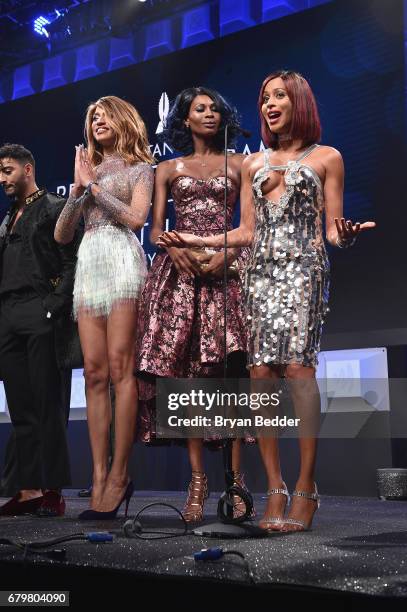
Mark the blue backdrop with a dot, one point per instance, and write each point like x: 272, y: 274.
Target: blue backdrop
x: 353, y: 56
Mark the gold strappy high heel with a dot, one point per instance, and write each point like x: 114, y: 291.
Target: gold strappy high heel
x: 197, y: 494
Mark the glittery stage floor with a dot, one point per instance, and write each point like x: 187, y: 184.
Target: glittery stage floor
x: 357, y: 548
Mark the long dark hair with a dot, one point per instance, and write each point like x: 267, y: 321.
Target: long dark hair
x: 179, y: 136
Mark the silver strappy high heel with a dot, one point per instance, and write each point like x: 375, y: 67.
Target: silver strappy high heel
x: 274, y: 523
x: 312, y: 496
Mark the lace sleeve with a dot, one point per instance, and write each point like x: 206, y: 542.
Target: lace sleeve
x: 69, y: 219
x: 141, y: 177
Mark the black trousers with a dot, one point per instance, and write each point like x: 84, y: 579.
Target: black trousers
x: 9, y: 484
x: 35, y: 392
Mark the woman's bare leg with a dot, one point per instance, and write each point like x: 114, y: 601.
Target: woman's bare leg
x: 270, y: 455
x: 306, y: 399
x: 92, y: 332
x: 198, y: 487
x: 195, y: 453
x: 121, y: 340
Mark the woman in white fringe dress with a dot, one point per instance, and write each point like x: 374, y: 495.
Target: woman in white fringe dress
x: 112, y: 191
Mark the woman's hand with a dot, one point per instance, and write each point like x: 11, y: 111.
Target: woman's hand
x: 184, y: 261
x: 216, y: 267
x: 347, y: 232
x: 77, y: 189
x: 84, y: 172
x: 179, y: 239
x: 77, y: 180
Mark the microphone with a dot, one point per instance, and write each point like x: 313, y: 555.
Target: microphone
x: 242, y: 131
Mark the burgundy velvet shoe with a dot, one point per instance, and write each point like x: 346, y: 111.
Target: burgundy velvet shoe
x: 53, y: 504
x: 16, y: 508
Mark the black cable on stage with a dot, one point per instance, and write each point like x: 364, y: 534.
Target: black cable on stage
x: 44, y: 543
x: 133, y: 528
x: 40, y: 547
x: 216, y: 553
x: 246, y: 563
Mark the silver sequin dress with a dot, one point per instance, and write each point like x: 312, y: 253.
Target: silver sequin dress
x: 111, y: 268
x: 287, y: 278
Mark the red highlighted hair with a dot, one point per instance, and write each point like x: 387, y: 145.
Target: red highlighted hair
x: 305, y: 124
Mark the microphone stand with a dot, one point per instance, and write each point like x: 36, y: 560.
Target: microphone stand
x: 226, y: 500
x: 229, y: 527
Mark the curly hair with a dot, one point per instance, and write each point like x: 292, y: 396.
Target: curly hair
x: 179, y: 136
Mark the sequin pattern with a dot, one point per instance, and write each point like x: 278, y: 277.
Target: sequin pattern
x: 111, y: 268
x: 287, y: 278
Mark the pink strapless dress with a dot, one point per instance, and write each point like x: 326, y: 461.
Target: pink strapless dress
x: 181, y: 317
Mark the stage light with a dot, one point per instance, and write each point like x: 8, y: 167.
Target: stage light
x: 39, y: 26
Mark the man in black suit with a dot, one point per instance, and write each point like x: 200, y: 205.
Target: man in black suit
x: 36, y: 284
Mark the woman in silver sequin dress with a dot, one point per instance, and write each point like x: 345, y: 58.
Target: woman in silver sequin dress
x: 112, y: 191
x: 285, y: 191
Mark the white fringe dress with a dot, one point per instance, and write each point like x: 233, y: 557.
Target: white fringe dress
x: 111, y: 267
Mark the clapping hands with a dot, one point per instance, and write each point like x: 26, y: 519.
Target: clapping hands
x: 83, y: 173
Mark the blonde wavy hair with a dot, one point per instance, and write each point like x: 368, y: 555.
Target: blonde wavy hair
x: 131, y: 133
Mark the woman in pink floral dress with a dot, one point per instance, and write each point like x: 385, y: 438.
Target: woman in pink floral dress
x: 181, y: 318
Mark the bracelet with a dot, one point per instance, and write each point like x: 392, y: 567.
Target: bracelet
x: 79, y: 201
x: 89, y: 187
x: 345, y: 245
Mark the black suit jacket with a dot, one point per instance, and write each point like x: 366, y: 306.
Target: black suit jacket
x: 48, y: 266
